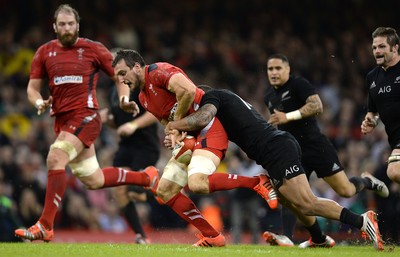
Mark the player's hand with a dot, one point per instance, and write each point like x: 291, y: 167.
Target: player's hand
x: 129, y: 106
x: 173, y: 135
x: 168, y: 129
x: 168, y: 142
x: 368, y: 125
x: 127, y: 129
x: 42, y: 105
x: 277, y: 118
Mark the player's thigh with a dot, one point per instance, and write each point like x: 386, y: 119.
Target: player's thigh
x: 320, y: 156
x: 297, y: 190
x: 213, y: 138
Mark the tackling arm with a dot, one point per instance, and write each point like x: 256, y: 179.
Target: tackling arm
x: 194, y: 121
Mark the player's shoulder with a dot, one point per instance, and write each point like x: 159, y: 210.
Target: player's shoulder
x: 269, y: 90
x: 163, y: 66
x: 298, y: 80
x: 48, y: 44
x: 89, y: 43
x: 84, y: 40
x: 373, y: 72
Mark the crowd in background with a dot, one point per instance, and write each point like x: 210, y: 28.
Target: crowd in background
x: 223, y: 44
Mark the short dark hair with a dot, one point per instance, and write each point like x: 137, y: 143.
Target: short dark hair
x: 280, y: 57
x: 131, y: 57
x: 67, y: 9
x: 391, y: 36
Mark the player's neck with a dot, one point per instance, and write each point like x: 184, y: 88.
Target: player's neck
x: 392, y: 63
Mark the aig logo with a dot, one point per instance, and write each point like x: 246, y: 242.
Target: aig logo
x: 383, y: 90
x: 292, y: 170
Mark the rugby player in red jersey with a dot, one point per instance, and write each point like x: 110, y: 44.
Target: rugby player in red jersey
x: 71, y: 65
x: 169, y: 94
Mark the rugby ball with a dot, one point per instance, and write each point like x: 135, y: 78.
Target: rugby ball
x: 183, y: 152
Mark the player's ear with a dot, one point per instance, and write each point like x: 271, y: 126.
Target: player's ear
x: 54, y: 27
x: 77, y: 27
x: 137, y: 67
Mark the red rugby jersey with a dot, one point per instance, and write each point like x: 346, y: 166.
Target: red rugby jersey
x: 155, y: 96
x: 72, y: 72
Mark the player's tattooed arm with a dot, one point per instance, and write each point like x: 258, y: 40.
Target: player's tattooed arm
x: 313, y: 106
x: 196, y: 120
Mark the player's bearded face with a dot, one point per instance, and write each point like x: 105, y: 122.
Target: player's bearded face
x: 133, y: 81
x: 66, y: 28
x: 383, y: 52
x: 68, y: 39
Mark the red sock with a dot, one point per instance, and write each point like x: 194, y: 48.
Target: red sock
x: 186, y: 209
x: 117, y: 176
x: 222, y: 181
x: 56, y: 184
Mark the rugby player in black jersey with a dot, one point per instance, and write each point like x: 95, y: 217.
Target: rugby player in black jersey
x: 383, y: 84
x: 276, y: 151
x: 293, y: 104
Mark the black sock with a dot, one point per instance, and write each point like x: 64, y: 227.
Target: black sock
x: 132, y: 217
x: 288, y: 222
x: 349, y: 217
x: 316, y: 234
x: 361, y: 183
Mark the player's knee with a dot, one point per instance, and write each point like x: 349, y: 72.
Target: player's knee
x: 346, y: 192
x: 57, y: 159
x: 167, y: 189
x: 198, y: 183
x: 92, y: 182
x: 53, y: 161
x: 394, y: 174
x: 307, y: 209
x: 61, y: 152
x: 306, y: 206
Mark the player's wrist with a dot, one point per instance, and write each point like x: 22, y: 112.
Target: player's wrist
x: 133, y: 125
x: 294, y: 115
x: 375, y: 121
x: 39, y: 102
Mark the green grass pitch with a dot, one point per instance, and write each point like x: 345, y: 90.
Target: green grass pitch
x: 179, y: 250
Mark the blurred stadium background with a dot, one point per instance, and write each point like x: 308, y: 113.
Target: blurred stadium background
x: 224, y: 44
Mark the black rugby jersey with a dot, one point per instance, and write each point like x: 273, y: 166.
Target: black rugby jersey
x: 290, y: 97
x: 243, y: 124
x: 384, y: 97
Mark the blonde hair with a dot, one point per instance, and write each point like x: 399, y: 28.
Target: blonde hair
x: 66, y: 8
